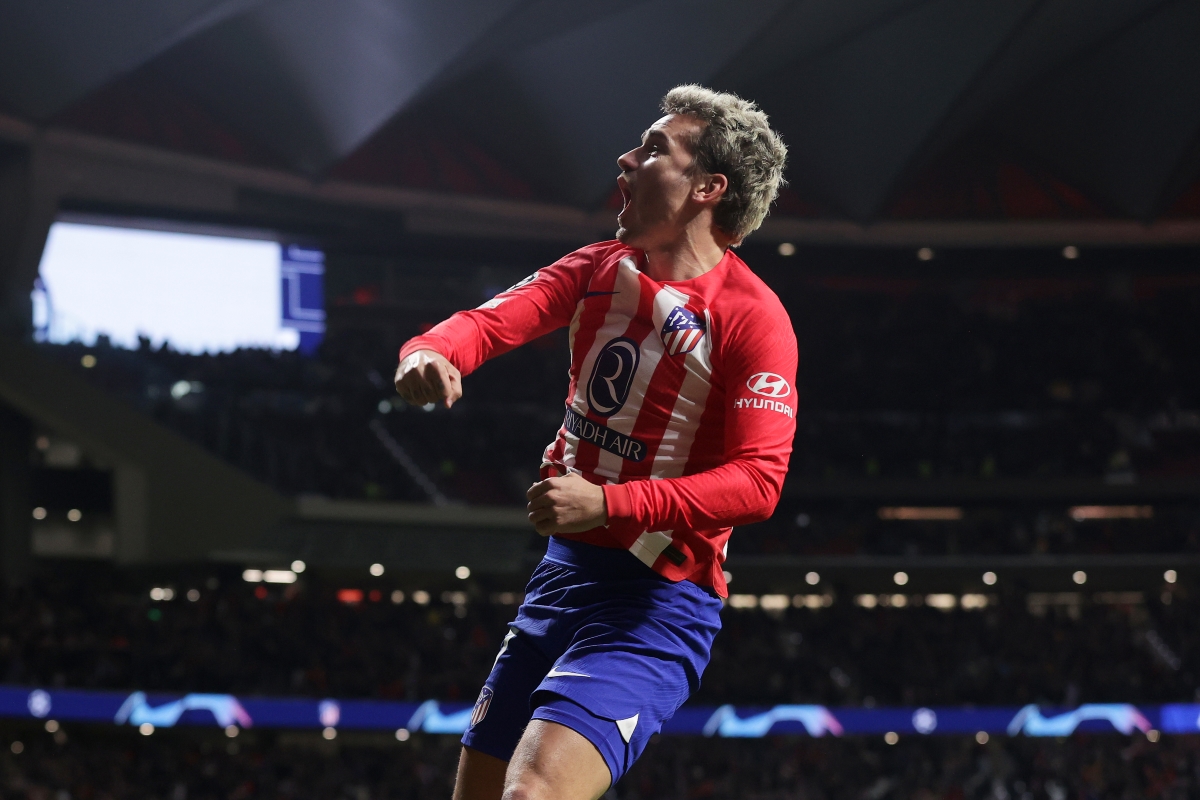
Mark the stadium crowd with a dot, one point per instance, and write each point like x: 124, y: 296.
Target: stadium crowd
x: 325, y: 424
x: 1014, y: 528
x: 1045, y: 377
x: 119, y: 765
x: 95, y: 631
x: 954, y: 378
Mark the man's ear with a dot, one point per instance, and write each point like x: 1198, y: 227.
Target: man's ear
x: 711, y: 190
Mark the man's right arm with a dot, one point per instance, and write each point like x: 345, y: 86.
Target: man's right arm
x: 432, y: 364
x: 425, y: 376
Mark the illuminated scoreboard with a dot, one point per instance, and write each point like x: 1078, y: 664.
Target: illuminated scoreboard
x: 196, y: 293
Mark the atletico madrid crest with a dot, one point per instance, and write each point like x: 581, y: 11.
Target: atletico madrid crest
x: 481, y: 705
x: 682, y: 331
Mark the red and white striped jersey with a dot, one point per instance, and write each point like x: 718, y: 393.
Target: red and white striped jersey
x: 681, y: 402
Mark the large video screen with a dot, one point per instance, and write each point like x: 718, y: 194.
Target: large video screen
x: 194, y: 293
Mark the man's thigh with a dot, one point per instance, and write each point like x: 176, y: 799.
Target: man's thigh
x: 499, y: 719
x: 554, y: 762
x: 480, y: 776
x: 551, y: 762
x: 502, y: 710
x: 629, y: 665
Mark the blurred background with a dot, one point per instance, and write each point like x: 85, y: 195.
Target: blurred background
x: 235, y: 564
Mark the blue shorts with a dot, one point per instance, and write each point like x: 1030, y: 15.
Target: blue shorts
x: 603, y: 645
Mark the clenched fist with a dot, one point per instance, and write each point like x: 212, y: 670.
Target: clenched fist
x: 568, y: 504
x: 427, y: 377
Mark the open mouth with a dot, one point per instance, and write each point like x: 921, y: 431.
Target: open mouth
x: 626, y: 194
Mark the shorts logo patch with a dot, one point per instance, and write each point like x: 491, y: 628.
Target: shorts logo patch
x: 612, y: 376
x: 481, y: 706
x: 681, y: 332
x: 555, y: 672
x: 627, y: 727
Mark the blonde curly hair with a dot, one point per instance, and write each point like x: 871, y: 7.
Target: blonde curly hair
x: 737, y: 142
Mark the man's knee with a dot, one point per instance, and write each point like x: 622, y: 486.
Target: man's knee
x: 526, y: 779
x: 531, y: 784
x: 554, y: 762
x: 527, y: 787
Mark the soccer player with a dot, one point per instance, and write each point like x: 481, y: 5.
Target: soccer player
x: 679, y: 424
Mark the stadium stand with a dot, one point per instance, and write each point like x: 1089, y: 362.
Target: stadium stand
x: 988, y: 250
x: 92, y: 628
x: 970, y: 391
x: 87, y: 763
x: 1026, y: 378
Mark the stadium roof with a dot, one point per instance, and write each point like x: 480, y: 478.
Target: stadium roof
x: 893, y: 109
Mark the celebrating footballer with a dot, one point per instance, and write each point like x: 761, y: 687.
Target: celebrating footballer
x: 678, y: 425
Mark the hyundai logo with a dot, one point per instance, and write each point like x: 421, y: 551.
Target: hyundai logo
x: 769, y: 384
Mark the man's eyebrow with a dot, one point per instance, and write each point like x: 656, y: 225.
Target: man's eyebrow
x: 653, y: 132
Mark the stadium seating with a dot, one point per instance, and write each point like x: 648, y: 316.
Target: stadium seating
x: 95, y: 628
x: 78, y: 762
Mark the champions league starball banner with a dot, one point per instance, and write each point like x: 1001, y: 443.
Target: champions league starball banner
x: 140, y: 709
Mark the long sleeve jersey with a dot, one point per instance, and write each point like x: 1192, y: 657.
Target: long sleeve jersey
x: 681, y: 401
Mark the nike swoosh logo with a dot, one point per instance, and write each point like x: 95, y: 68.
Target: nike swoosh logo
x: 598, y: 294
x: 557, y: 673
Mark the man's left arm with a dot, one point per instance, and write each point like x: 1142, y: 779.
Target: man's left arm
x: 760, y: 396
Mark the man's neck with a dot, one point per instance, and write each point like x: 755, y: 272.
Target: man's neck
x: 690, y: 257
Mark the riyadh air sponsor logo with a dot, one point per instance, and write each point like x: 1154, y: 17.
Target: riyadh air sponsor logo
x: 612, y: 376
x: 769, y: 384
x: 763, y: 402
x: 681, y: 332
x: 481, y: 706
x: 606, y: 438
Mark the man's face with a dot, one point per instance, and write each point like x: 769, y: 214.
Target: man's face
x: 655, y: 183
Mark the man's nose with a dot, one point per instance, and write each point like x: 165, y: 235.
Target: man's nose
x: 627, y: 162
